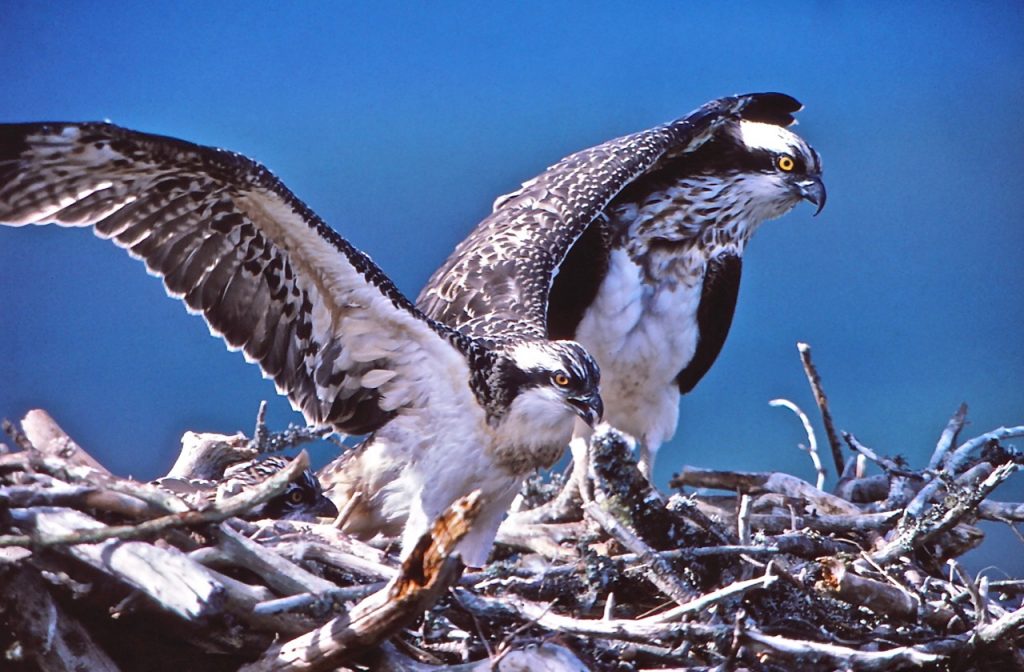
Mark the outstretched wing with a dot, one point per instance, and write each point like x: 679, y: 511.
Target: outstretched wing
x: 228, y: 238
x: 496, y: 284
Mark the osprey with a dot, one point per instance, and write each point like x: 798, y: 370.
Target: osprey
x: 652, y: 245
x: 302, y: 500
x: 450, y: 413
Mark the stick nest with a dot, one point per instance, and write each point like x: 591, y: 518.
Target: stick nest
x: 99, y: 572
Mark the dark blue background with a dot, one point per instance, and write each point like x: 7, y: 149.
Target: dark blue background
x: 400, y: 123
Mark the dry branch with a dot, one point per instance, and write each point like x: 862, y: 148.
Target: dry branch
x: 429, y: 569
x: 819, y: 397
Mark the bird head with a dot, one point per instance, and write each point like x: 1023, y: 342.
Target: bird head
x: 303, y: 499
x: 721, y: 191
x: 553, y: 381
x: 780, y: 168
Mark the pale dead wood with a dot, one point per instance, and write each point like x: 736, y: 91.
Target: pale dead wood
x: 281, y: 575
x: 948, y: 437
x: 164, y: 574
x: 1007, y: 512
x: 545, y: 539
x: 205, y: 455
x: 636, y: 630
x: 1010, y: 625
x: 881, y: 597
x: 812, y: 440
x: 429, y: 569
x: 819, y: 397
x: 823, y: 656
x: 58, y: 493
x: 609, y: 506
x: 265, y: 441
x: 50, y: 439
x: 954, y: 463
x: 760, y: 483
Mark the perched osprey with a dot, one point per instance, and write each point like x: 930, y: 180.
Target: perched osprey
x: 303, y: 499
x: 652, y: 227
x: 450, y: 413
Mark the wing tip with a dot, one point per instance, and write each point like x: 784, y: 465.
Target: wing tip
x: 770, y: 107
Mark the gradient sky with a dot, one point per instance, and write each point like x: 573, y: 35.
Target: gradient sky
x: 400, y: 123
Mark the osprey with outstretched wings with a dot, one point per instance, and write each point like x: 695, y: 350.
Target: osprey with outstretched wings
x: 450, y: 413
x: 633, y: 248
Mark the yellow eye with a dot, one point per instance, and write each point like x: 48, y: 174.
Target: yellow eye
x: 295, y: 496
x: 561, y: 379
x: 786, y: 163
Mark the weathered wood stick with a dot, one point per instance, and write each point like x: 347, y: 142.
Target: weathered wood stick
x: 819, y: 397
x: 428, y: 570
x: 170, y: 578
x: 49, y: 439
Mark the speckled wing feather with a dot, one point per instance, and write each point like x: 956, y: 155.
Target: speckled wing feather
x: 496, y: 283
x: 230, y: 240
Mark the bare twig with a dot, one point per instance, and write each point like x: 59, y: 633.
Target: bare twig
x: 346, y: 512
x: 320, y: 601
x: 886, y: 463
x: 1010, y: 626
x: 743, y: 520
x: 758, y: 483
x: 1007, y: 512
x: 639, y: 630
x: 281, y: 575
x: 980, y: 608
x: 819, y: 397
x: 818, y: 655
x: 812, y: 440
x: 264, y: 441
x: 17, y: 436
x: 205, y: 455
x: 948, y: 437
x: 260, y: 431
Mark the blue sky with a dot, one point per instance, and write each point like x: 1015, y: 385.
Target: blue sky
x: 399, y: 123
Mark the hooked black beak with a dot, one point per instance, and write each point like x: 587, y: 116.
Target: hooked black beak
x: 324, y: 508
x: 813, y: 190
x: 590, y: 408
